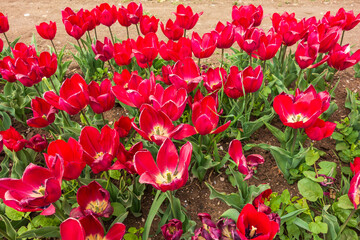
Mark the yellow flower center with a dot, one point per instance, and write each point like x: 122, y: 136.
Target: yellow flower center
x: 98, y: 155
x: 97, y: 206
x: 168, y: 177
x: 297, y: 118
x: 160, y: 131
x: 39, y: 192
x: 94, y: 237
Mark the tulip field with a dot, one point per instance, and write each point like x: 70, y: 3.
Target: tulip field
x: 215, y: 120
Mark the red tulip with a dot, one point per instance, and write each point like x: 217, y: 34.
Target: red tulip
x: 44, y: 113
x: 355, y: 167
x: 13, y: 140
x: 123, y: 126
x: 172, y: 101
x: 38, y: 143
x: 350, y: 20
x: 123, y: 52
x: 214, y: 79
x: 101, y: 98
x: 108, y: 14
x: 240, y: 83
x: 89, y: 227
x: 208, y: 231
x: 354, y: 191
x: 247, y: 16
x: 328, y: 37
x: 225, y: 35
x: 75, y: 25
x: 91, y: 19
x: 36, y: 191
x: 94, y: 200
x: 306, y: 53
x: 21, y: 50
x: 345, y: 20
x: 146, y: 49
x: 205, y: 117
x: 125, y: 158
x: 250, y: 41
x: 48, y: 64
x: 4, y: 24
x: 73, y: 97
x: 340, y: 58
x: 170, y: 172
x: 99, y: 148
x: 103, y: 51
x: 134, y: 12
x: 175, y: 50
x: 288, y: 27
x: 47, y: 31
x: 185, y: 74
x: 148, y: 24
x: 6, y: 69
x: 269, y: 45
x: 310, y: 93
x: 255, y: 225
x: 245, y: 165
x: 156, y: 126
x: 67, y: 12
x: 27, y: 71
x: 172, y: 230
x: 1, y: 47
x: 203, y: 47
x: 260, y: 199
x: 320, y: 129
x: 71, y: 153
x: 185, y: 17
x: 123, y: 17
x: 172, y: 30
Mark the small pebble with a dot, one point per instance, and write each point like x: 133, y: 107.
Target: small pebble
x: 222, y: 179
x: 26, y: 14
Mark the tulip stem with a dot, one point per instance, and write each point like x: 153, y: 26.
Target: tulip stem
x: 346, y: 222
x: 250, y: 60
x: 88, y: 33
x: 137, y: 29
x: 37, y: 90
x: 222, y: 57
x: 85, y: 117
x: 184, y: 33
x: 111, y: 68
x: 294, y: 142
x: 52, y: 42
x: 199, y: 65
x: 59, y: 213
x: 171, y: 199
x: 342, y: 37
x: 283, y: 57
x: 81, y: 51
x: 149, y: 69
x: 95, y: 33
x: 298, y: 79
x: 127, y: 32
x: 7, y: 40
x: 200, y: 143
x: 103, y: 118
x: 112, y: 36
x: 66, y: 120
x: 53, y: 85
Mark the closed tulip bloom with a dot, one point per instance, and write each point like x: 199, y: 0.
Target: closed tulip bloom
x: 1, y: 45
x: 75, y: 24
x: 170, y: 172
x: 341, y: 59
x: 108, y: 14
x: 320, y: 130
x: 90, y: 19
x: 47, y: 30
x: 247, y: 15
x: 269, y: 45
x: 134, y: 12
x: 43, y: 113
x: 328, y: 37
x: 101, y: 98
x: 185, y: 17
x: 345, y: 20
x: 123, y: 126
x: 149, y: 24
x: 354, y: 191
x: 214, y: 79
x: 250, y: 41
x: 308, y: 49
x: 48, y: 64
x: 175, y: 50
x: 172, y: 30
x: 225, y: 35
x: 71, y: 153
x: 12, y: 139
x: 123, y: 52
x: 351, y: 20
x: 172, y: 230
x: 123, y: 17
x: 38, y: 143
x: 355, y: 167
x: 203, y: 47
x: 4, y: 24
x: 89, y: 227
x: 146, y: 49
x: 103, y: 51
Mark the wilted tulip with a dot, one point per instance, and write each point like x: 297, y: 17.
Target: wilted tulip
x: 208, y: 231
x: 172, y: 230
x: 125, y: 158
x: 47, y: 31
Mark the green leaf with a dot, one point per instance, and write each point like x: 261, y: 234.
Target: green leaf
x: 232, y: 199
x: 231, y: 213
x: 327, y: 168
x: 312, y: 176
x: 158, y: 200
x: 9, y: 229
x: 345, y: 203
x: 318, y: 227
x: 118, y: 208
x: 337, y: 136
x: 292, y: 214
x: 310, y: 190
x: 44, y: 232
x: 280, y: 136
x: 311, y: 157
x: 301, y: 223
x: 349, y: 234
x: 44, y: 221
x: 115, y: 174
x: 12, y: 214
x: 331, y: 221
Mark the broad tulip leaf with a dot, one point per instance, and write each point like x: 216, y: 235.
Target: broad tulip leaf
x: 311, y: 157
x: 232, y: 199
x: 44, y: 232
x: 231, y: 213
x: 348, y: 234
x: 332, y: 222
x: 12, y: 214
x: 310, y: 189
x: 345, y: 203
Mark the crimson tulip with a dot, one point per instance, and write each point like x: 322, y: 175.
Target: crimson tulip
x: 67, y: 12
x: 146, y: 49
x: 21, y: 50
x: 246, y: 165
x: 94, y: 200
x: 252, y: 224
x: 27, y: 71
x: 185, y: 17
x: 125, y: 158
x: 172, y: 230
x: 250, y: 41
x: 354, y: 191
x: 89, y: 227
x: 75, y: 25
x: 172, y: 101
x: 288, y: 27
x: 310, y: 93
x: 123, y: 52
x: 225, y: 35
x: 123, y: 17
x: 4, y: 23
x: 12, y: 139
x: 48, y: 64
x: 340, y: 58
x: 247, y: 16
x: 355, y: 167
x: 73, y: 96
x: 92, y: 18
x: 100, y: 148
x: 320, y: 130
x: 71, y: 153
x: 350, y: 20
x: 123, y: 126
x: 343, y: 19
x: 44, y: 113
x: 260, y: 199
x: 148, y: 24
x: 1, y: 46
x: 307, y: 52
x: 269, y: 45
x: 101, y: 98
x: 36, y: 191
x: 108, y: 14
x: 47, y: 30
x: 203, y: 47
x: 103, y: 51
x: 38, y: 143
x: 175, y: 50
x: 214, y: 79
x: 134, y: 12
x: 170, y: 172
x: 172, y: 30
x: 328, y: 37
x: 227, y: 227
x: 6, y: 69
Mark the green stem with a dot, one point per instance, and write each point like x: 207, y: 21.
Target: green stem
x: 298, y: 79
x: 81, y: 50
x: 7, y: 40
x: 346, y: 222
x: 111, y: 68
x: 4, y: 234
x: 37, y: 90
x: 184, y: 33
x: 85, y: 117
x: 59, y: 213
x: 199, y: 65
x: 342, y: 37
x: 149, y: 68
x: 127, y: 32
x: 103, y: 118
x: 53, y: 85
x: 250, y: 60
x: 200, y: 143
x: 222, y: 57
x: 64, y: 116
x: 137, y: 29
x: 294, y: 142
x: 107, y: 178
x: 171, y: 199
x: 52, y: 42
x: 88, y: 33
x: 112, y: 36
x: 283, y: 57
x: 95, y: 33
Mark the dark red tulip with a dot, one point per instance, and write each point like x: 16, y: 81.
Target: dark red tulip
x: 36, y: 191
x: 208, y: 231
x: 354, y: 191
x: 175, y: 50
x: 341, y: 59
x: 123, y: 126
x: 320, y: 130
x: 6, y: 69
x: 75, y: 24
x: 108, y: 14
x: 103, y: 51
x: 225, y: 36
x: 185, y: 17
x: 27, y: 71
x: 328, y: 37
x: 4, y: 24
x: 47, y: 31
x: 123, y: 17
x: 227, y: 227
x: 172, y: 30
x: 146, y: 49
x: 131, y: 14
x: 172, y: 230
x: 125, y: 158
x: 89, y: 227
x: 71, y: 153
x: 73, y: 97
x: 149, y: 24
x: 101, y: 98
x: 90, y: 18
x: 250, y: 41
x: 214, y: 79
x: 355, y: 167
x: 43, y: 112
x: 94, y: 200
x: 203, y: 47
x: 48, y: 64
x: 288, y: 27
x: 269, y: 45
x: 123, y: 52
x: 38, y: 143
x: 170, y: 172
x: 13, y: 140
x: 307, y: 50
x: 100, y: 148
x: 247, y: 16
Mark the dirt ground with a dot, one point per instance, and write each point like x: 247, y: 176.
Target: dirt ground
x: 25, y: 14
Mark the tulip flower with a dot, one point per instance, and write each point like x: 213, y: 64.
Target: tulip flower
x: 38, y: 143
x: 48, y: 64
x: 345, y: 20
x: 227, y: 227
x: 306, y: 53
x: 172, y: 30
x: 27, y: 71
x: 203, y: 47
x: 44, y: 113
x: 214, y: 79
x: 108, y: 14
x: 175, y: 50
x: 146, y: 49
x: 12, y: 139
x: 245, y: 165
x: 225, y: 35
x: 320, y: 130
x: 125, y: 158
x: 36, y: 191
x: 269, y: 45
x: 170, y: 172
x: 123, y: 126
x: 148, y: 24
x: 73, y: 96
x: 172, y: 230
x: 123, y: 52
x: 260, y: 199
x: 355, y: 167
x: 328, y: 37
x: 75, y: 25
x: 103, y: 51
x: 185, y: 17
x: 4, y: 24
x: 21, y: 50
x: 89, y: 227
x: 185, y: 74
x: 134, y: 12
x: 206, y: 118
x: 91, y: 19
x: 288, y: 27
x: 310, y: 93
x: 156, y: 126
x: 350, y: 20
x: 101, y: 98
x: 100, y: 148
x: 240, y: 83
x: 123, y: 17
x: 354, y: 191
x: 247, y: 16
x: 208, y: 231
x: 251, y: 40
x: 47, y: 31
x: 251, y: 224
x: 340, y: 58
x: 136, y: 91
x: 94, y: 200
x: 1, y: 46
x: 6, y: 69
